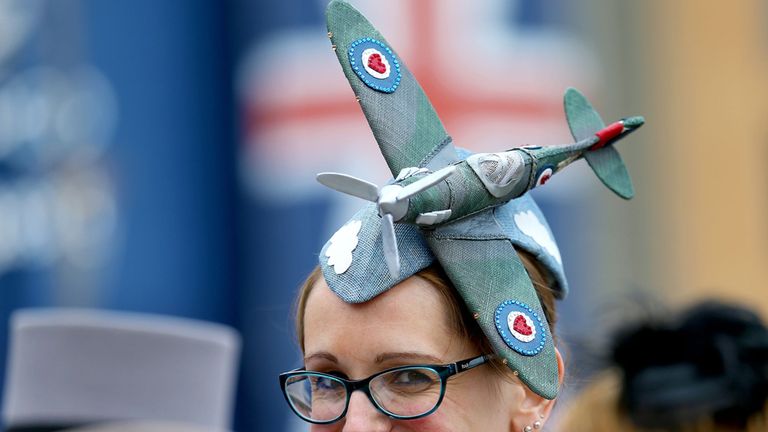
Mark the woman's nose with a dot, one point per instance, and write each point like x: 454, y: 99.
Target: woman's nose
x: 362, y: 416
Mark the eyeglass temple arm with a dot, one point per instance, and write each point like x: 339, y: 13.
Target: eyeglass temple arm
x: 465, y: 365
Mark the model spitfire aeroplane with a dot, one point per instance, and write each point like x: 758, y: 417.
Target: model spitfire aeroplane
x: 491, y: 179
x: 433, y: 185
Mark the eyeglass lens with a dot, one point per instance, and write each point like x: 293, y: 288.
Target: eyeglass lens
x: 316, y: 397
x: 408, y: 392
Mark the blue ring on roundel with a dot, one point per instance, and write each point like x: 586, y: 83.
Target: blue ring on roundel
x: 386, y: 75
x: 517, y: 342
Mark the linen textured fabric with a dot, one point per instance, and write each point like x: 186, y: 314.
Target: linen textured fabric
x: 477, y: 251
x: 368, y: 275
x: 605, y: 162
x: 403, y: 122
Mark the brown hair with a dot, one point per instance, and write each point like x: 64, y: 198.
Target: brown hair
x: 459, y: 317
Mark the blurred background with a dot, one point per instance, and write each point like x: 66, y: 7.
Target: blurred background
x: 160, y: 156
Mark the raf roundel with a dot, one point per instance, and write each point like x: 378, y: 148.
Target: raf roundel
x: 544, y: 174
x: 375, y: 64
x: 520, y: 327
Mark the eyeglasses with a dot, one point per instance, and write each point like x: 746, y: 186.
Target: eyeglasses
x: 405, y: 392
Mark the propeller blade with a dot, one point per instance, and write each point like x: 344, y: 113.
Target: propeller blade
x: 426, y: 182
x: 391, y: 255
x: 350, y: 185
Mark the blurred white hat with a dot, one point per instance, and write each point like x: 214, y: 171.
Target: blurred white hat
x: 142, y: 426
x: 74, y: 367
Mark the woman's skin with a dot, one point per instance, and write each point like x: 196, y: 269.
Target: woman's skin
x: 408, y: 325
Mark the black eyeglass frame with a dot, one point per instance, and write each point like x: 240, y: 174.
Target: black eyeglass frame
x: 444, y: 371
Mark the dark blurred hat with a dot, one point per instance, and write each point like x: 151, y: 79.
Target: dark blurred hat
x: 72, y: 368
x: 711, y: 362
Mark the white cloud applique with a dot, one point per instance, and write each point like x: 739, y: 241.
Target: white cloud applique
x: 341, y: 245
x: 531, y: 226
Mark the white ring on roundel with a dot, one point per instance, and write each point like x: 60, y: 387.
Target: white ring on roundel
x: 367, y: 55
x: 544, y: 177
x: 522, y: 337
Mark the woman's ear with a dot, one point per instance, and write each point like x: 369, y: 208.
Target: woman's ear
x: 534, y: 410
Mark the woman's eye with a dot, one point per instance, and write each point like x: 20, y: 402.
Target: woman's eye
x: 325, y: 383
x: 412, y: 378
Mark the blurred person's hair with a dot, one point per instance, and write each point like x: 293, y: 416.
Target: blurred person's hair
x: 704, y: 371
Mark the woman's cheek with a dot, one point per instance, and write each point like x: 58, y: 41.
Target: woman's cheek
x: 326, y: 428
x: 436, y: 422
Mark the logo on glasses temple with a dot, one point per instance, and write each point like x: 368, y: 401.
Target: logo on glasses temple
x: 472, y: 363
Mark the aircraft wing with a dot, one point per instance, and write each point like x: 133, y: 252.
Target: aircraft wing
x: 478, y: 249
x: 403, y: 121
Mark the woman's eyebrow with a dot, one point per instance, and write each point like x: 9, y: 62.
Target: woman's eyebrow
x: 380, y: 358
x: 321, y: 355
x: 407, y: 355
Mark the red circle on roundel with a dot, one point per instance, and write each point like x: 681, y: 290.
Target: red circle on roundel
x: 375, y: 63
x: 544, y: 176
x: 521, y: 326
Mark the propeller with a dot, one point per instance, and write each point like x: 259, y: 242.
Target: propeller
x: 392, y: 201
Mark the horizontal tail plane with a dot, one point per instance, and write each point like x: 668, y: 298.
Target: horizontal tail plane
x: 603, y: 158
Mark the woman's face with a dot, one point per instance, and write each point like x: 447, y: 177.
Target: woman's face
x: 408, y: 325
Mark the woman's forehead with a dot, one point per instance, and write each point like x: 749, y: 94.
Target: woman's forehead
x: 410, y: 316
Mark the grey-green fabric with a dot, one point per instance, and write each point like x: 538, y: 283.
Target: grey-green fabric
x: 605, y: 162
x: 404, y: 123
x: 482, y: 263
x: 477, y: 252
x: 368, y: 275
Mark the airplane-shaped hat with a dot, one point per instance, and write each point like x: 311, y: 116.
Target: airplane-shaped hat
x: 467, y: 211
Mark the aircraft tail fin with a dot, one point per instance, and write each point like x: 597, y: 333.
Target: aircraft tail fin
x: 605, y: 161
